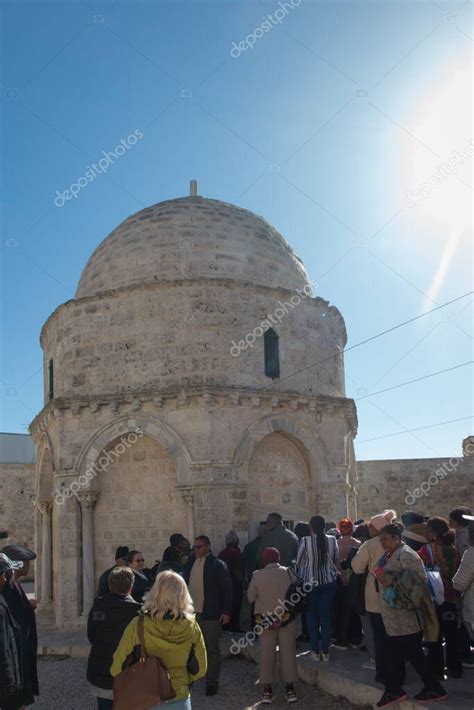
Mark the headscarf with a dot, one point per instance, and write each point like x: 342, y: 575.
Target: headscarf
x: 382, y: 519
x: 346, y: 526
x: 270, y: 555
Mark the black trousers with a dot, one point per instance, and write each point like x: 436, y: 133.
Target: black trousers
x: 399, y: 650
x: 346, y: 623
x: 380, y: 640
x: 448, y: 627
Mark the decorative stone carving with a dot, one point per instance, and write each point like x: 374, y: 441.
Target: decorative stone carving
x: 275, y: 401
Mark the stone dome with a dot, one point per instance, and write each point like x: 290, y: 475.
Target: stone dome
x: 192, y: 238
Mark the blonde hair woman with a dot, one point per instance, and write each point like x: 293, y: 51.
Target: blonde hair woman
x: 171, y: 632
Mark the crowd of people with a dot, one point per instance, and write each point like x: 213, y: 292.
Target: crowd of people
x: 400, y: 590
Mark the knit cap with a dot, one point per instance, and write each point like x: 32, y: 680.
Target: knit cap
x: 382, y: 519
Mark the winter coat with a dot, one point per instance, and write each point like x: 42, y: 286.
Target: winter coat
x: 285, y: 542
x: 11, y: 696
x: 103, y: 583
x: 268, y: 588
x: 402, y: 622
x: 25, y: 617
x: 463, y: 581
x: 367, y: 558
x: 170, y: 640
x: 108, y: 619
x: 217, y: 587
x: 141, y: 585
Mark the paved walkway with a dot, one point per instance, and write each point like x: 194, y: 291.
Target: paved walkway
x: 64, y: 687
x: 342, y: 676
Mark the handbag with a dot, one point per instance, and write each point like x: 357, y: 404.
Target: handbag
x: 435, y: 581
x: 296, y: 598
x: 192, y: 666
x: 144, y: 683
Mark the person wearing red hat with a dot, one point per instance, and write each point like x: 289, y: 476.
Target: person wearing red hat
x: 267, y: 589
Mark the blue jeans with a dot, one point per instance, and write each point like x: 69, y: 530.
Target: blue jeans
x: 319, y: 616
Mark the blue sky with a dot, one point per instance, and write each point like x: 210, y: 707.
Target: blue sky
x: 322, y: 126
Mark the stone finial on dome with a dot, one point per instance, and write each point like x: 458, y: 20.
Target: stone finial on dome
x: 468, y: 446
x: 193, y: 188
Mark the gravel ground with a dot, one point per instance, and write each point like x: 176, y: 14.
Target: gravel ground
x: 63, y: 685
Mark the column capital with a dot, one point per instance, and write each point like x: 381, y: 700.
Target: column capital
x: 87, y: 499
x: 188, y: 497
x: 44, y: 506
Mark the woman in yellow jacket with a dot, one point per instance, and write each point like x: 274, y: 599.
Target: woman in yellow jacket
x: 171, y: 632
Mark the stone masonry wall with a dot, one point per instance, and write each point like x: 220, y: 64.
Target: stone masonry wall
x: 415, y: 484
x: 139, y: 505
x: 17, y: 514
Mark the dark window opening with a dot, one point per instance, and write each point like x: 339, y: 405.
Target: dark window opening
x: 272, y: 355
x: 51, y: 380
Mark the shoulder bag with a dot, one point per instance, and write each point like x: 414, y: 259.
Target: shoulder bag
x: 142, y: 684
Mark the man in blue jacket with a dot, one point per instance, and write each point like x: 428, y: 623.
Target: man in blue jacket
x: 210, y: 587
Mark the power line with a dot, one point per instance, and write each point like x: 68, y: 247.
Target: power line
x: 418, y: 379
x: 363, y: 342
x: 373, y: 337
x: 420, y: 428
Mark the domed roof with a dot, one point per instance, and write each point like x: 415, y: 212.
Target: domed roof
x: 192, y: 238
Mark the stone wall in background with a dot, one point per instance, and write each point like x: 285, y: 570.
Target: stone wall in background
x: 430, y: 486
x: 17, y: 514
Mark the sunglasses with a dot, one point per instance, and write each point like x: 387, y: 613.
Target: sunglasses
x: 199, y: 547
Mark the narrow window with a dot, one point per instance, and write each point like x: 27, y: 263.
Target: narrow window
x: 51, y: 380
x: 272, y: 356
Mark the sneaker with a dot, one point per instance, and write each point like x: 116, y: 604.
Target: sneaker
x: 267, y: 696
x: 291, y: 696
x: 370, y: 665
x: 427, y: 696
x: 315, y: 656
x: 341, y: 646
x: 325, y: 656
x: 391, y: 698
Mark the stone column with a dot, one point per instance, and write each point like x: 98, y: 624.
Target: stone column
x: 87, y: 500
x: 45, y: 508
x: 189, y: 500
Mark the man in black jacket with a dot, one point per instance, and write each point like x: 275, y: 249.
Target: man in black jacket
x: 108, y: 618
x: 11, y: 691
x: 210, y: 587
x: 120, y: 555
x: 23, y: 611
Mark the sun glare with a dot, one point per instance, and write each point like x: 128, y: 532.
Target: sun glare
x: 440, y: 164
